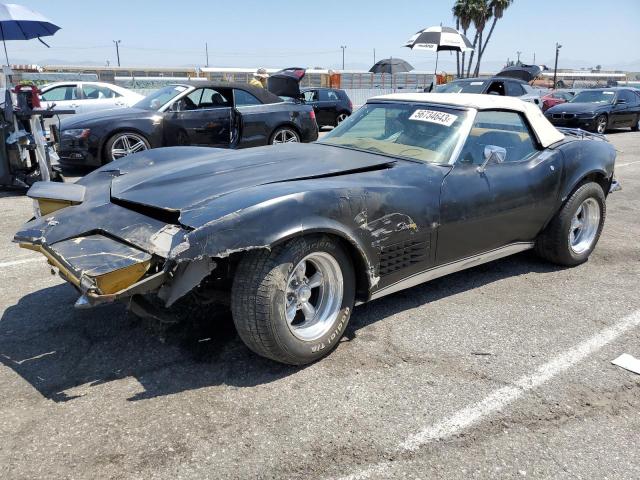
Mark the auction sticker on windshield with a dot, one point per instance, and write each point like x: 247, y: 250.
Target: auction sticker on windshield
x: 434, y: 116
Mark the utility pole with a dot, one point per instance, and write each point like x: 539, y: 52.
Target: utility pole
x: 117, y: 42
x: 518, y: 53
x: 206, y: 49
x: 374, y: 56
x: 555, y: 68
x: 343, y: 47
x: 534, y: 58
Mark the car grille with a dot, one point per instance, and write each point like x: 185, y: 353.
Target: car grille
x: 566, y: 116
x: 402, y: 255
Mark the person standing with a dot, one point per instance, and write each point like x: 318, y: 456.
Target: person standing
x: 260, y: 78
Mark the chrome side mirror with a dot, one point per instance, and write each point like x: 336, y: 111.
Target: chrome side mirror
x: 492, y: 154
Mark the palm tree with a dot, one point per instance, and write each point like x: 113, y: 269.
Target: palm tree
x: 462, y: 13
x: 497, y: 9
x: 480, y: 14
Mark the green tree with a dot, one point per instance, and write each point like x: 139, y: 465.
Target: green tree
x: 480, y: 15
x: 462, y: 10
x: 497, y: 8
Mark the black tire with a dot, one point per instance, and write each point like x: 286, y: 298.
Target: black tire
x: 554, y: 243
x: 258, y: 301
x: 636, y: 126
x: 341, y: 117
x: 600, y: 122
x: 287, y: 131
x: 106, y: 154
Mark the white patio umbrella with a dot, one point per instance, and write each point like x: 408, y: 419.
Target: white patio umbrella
x: 439, y: 38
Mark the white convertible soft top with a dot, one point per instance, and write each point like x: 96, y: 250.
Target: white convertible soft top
x: 547, y: 134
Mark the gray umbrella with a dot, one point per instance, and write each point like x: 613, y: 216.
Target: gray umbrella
x: 20, y: 23
x: 391, y: 65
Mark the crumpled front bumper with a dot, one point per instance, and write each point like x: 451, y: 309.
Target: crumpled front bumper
x: 101, y: 268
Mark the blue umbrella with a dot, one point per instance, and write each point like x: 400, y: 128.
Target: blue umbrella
x: 20, y: 23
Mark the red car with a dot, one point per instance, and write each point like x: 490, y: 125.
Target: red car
x: 556, y: 98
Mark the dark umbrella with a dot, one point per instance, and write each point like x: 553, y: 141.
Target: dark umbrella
x: 522, y: 72
x: 20, y: 23
x: 439, y: 38
x: 391, y: 65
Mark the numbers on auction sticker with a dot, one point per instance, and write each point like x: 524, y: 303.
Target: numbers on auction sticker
x: 434, y: 116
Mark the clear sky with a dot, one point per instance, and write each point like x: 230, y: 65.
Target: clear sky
x: 277, y: 33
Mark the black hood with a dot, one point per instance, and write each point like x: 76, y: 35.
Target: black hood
x: 571, y: 107
x: 181, y: 178
x: 82, y: 120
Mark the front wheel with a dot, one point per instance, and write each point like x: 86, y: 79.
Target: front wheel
x: 292, y: 304
x: 124, y: 143
x: 636, y: 126
x: 284, y: 135
x: 573, y: 233
x: 601, y: 124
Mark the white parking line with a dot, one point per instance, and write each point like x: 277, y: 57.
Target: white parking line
x: 20, y: 262
x: 502, y: 397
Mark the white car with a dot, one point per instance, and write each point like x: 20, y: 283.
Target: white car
x: 84, y: 97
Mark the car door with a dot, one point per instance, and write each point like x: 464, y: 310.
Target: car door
x: 504, y: 203
x: 98, y: 97
x: 623, y: 110
x: 329, y: 101
x: 202, y: 117
x: 312, y: 97
x: 254, y: 129
x: 65, y: 96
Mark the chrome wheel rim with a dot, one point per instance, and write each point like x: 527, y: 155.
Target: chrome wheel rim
x: 285, y: 136
x: 602, y: 125
x: 342, y: 117
x: 584, y: 226
x: 313, y: 296
x: 126, y: 144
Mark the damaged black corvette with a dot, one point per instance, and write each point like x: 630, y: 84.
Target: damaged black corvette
x: 410, y: 188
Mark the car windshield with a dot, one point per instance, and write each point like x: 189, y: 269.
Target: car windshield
x: 464, y: 86
x: 160, y: 97
x: 427, y: 133
x: 594, y: 96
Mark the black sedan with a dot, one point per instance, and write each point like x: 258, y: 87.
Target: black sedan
x: 332, y: 105
x: 409, y: 188
x: 598, y: 110
x: 223, y: 115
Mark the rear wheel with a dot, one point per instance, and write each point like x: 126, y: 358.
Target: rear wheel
x: 636, y: 126
x: 284, y: 135
x: 292, y: 304
x: 124, y: 143
x: 341, y: 118
x: 601, y: 124
x: 573, y: 233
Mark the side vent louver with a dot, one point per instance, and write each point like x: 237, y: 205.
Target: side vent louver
x: 402, y: 255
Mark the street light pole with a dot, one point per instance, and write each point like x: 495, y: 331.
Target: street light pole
x: 555, y: 68
x: 117, y: 50
x: 343, y: 47
x: 206, y: 49
x: 518, y: 53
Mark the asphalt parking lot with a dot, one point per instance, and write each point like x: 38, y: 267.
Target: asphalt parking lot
x: 502, y: 371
